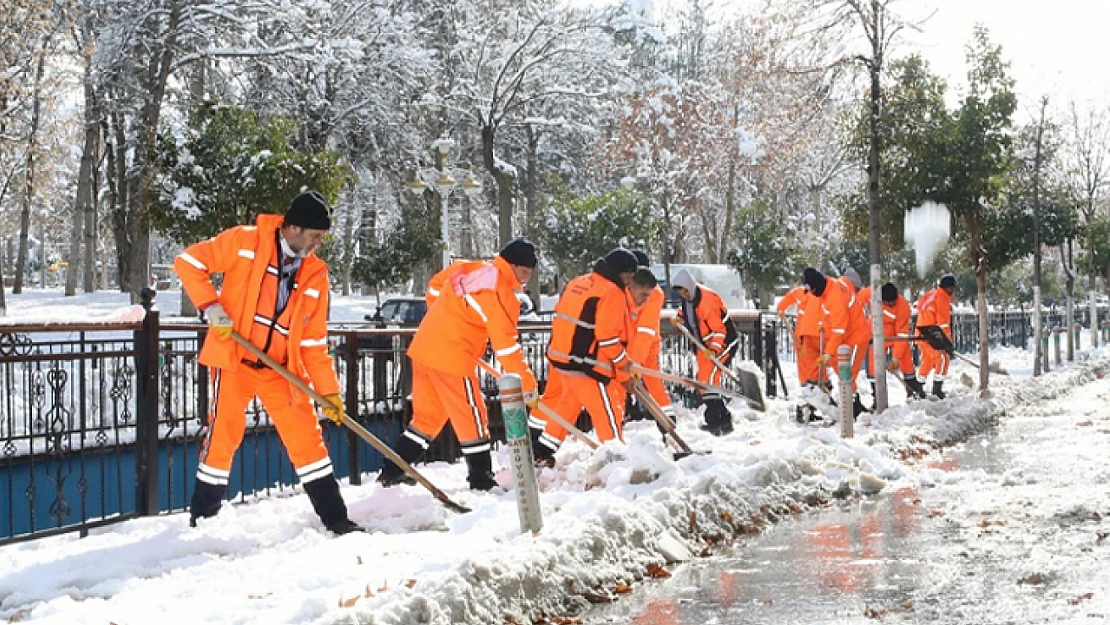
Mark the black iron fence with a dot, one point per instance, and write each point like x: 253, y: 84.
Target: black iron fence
x: 101, y: 422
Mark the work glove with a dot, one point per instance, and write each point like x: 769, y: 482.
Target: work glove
x: 334, y: 408
x: 531, y: 399
x: 782, y: 314
x: 892, y: 365
x: 676, y: 321
x: 823, y: 360
x: 707, y: 353
x: 218, y: 320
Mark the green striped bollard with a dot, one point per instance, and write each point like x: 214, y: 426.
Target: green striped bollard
x: 515, y: 414
x: 844, y: 369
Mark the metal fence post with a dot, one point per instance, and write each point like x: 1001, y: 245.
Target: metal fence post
x: 350, y: 355
x: 146, y: 417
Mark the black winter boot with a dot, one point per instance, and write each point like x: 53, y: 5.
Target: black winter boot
x: 857, y: 407
x: 410, y: 451
x: 917, y: 391
x: 480, y: 471
x: 542, y: 455
x: 206, y: 502
x: 718, y: 420
x: 328, y: 503
x: 937, y: 389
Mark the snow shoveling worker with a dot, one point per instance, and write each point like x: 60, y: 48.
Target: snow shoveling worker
x: 896, y: 324
x: 275, y: 294
x: 589, y: 365
x: 806, y: 333
x: 838, y: 310
x: 476, y: 303
x: 705, y: 315
x: 934, y: 308
x: 645, y: 305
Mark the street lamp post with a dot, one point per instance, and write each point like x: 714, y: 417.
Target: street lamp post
x: 442, y: 179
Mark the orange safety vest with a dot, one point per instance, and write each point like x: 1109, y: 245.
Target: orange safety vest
x: 590, y: 328
x: 247, y: 256
x: 645, y: 325
x: 476, y: 304
x: 714, y: 328
x: 935, y: 309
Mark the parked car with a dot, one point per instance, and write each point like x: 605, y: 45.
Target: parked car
x: 401, y: 310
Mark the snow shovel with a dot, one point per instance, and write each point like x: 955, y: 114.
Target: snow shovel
x: 354, y: 426
x: 746, y: 380
x: 648, y: 402
x: 692, y: 383
x: 938, y: 340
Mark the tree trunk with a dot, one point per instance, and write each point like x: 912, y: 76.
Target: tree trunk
x: 29, y: 174
x: 85, y: 200
x: 1069, y: 314
x: 979, y: 262
x: 878, y: 353
x: 117, y: 188
x: 1093, y: 286
x: 1037, y: 322
x: 506, y: 180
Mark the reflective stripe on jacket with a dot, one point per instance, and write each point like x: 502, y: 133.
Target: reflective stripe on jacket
x: 244, y: 255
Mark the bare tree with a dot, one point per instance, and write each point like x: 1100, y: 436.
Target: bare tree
x: 1086, y: 170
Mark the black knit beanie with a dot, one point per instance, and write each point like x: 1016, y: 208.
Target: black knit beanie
x: 621, y: 260
x: 641, y: 258
x: 890, y: 293
x: 815, y: 280
x: 309, y: 210
x: 520, y: 251
x: 948, y: 280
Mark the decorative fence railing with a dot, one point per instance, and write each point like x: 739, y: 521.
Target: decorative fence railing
x: 1006, y: 328
x: 101, y: 422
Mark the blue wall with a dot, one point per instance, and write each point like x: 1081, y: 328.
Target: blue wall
x: 108, y: 487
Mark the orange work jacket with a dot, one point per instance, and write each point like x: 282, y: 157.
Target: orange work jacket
x: 247, y: 256
x: 934, y: 308
x: 476, y: 304
x: 840, y: 311
x: 799, y: 296
x: 714, y: 328
x: 645, y: 325
x: 590, y: 329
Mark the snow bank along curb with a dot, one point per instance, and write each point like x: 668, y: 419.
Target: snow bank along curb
x: 594, y: 543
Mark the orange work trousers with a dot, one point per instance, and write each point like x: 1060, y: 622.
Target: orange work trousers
x: 808, y: 349
x: 654, y: 385
x: 438, y: 396
x: 567, y: 393
x: 289, y: 409
x: 933, y: 361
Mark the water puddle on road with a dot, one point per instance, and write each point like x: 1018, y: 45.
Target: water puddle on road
x: 866, y: 561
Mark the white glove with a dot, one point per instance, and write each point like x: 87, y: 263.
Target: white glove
x: 218, y: 320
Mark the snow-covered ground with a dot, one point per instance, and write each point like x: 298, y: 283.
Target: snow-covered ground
x: 610, y: 517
